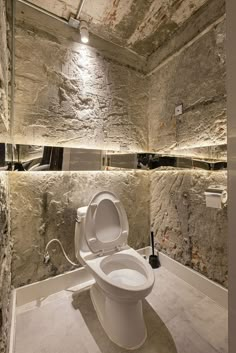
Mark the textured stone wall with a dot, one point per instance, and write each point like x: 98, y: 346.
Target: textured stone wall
x: 195, y: 76
x: 5, y: 262
x: 43, y: 206
x: 5, y: 241
x: 4, y: 75
x: 184, y: 228
x: 70, y: 94
x: 74, y: 95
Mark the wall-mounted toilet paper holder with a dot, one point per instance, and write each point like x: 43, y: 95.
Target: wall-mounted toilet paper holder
x: 216, y: 196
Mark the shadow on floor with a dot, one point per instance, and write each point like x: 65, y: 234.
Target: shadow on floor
x: 159, y: 339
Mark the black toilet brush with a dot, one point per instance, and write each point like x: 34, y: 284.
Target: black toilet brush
x: 153, y: 259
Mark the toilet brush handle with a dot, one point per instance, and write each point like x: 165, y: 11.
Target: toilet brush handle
x: 152, y: 241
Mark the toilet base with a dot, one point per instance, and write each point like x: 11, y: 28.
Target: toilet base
x: 123, y: 322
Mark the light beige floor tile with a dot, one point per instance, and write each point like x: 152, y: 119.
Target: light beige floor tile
x: 53, y: 328
x: 158, y: 336
x: 211, y: 322
x: 187, y: 340
x: 171, y: 295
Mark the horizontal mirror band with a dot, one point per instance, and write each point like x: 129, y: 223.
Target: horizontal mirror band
x: 49, y: 158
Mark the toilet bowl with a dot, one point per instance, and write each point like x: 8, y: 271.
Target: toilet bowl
x: 122, y: 277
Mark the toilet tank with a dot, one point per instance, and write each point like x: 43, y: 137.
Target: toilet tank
x: 81, y: 247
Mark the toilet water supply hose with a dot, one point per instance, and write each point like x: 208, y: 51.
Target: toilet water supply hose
x: 47, y: 256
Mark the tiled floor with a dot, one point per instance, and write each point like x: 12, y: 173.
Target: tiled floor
x: 180, y: 319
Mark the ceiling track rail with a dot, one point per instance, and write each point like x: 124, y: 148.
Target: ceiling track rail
x: 45, y: 12
x: 50, y: 14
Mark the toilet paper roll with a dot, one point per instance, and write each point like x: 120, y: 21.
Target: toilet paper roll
x: 216, y: 199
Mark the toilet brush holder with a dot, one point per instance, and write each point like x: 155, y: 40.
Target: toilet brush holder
x: 154, y: 259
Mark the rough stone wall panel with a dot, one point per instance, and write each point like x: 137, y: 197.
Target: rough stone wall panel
x: 196, y: 78
x: 184, y: 228
x: 43, y: 206
x: 72, y: 96
x: 5, y: 262
x: 5, y: 241
x: 207, y: 14
x: 4, y: 58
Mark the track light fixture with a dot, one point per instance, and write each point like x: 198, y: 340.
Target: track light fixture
x: 84, y: 32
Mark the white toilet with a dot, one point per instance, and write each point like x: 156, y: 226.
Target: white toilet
x: 123, y: 278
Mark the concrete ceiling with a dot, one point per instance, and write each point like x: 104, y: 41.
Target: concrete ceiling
x: 139, y: 25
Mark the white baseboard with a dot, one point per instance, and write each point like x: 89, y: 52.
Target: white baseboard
x: 211, y: 289
x: 52, y: 285
x: 12, y: 316
x: 80, y: 276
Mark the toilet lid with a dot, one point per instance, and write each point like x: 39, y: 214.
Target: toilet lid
x: 106, y: 223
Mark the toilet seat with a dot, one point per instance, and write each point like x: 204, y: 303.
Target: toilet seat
x: 107, y: 268
x: 106, y: 224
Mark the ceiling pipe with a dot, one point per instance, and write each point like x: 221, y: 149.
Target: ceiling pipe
x: 82, y: 2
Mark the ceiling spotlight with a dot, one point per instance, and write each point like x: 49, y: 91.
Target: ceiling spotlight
x: 84, y: 33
